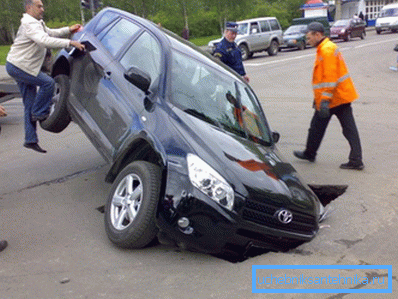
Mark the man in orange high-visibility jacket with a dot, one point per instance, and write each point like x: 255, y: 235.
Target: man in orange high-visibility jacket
x: 333, y: 93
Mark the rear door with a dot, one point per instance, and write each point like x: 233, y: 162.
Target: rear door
x: 265, y: 33
x: 119, y: 103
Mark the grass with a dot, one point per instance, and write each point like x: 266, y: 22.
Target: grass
x: 200, y: 41
x: 3, y: 54
x: 203, y: 41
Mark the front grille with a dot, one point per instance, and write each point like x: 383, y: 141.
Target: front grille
x: 263, y: 214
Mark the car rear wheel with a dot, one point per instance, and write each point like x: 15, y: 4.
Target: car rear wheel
x: 59, y: 117
x: 131, y: 206
x: 273, y: 48
x: 245, y: 52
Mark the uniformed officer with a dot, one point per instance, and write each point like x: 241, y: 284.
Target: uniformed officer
x: 228, y: 52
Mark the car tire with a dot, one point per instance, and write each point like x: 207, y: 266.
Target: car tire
x: 362, y: 34
x: 59, y: 117
x: 378, y: 31
x: 301, y: 45
x: 273, y: 48
x: 245, y: 52
x: 348, y: 37
x: 131, y: 205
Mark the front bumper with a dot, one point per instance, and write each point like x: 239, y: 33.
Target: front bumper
x: 290, y: 44
x: 212, y: 229
x: 386, y: 27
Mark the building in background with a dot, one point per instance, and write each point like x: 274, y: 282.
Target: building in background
x: 348, y: 8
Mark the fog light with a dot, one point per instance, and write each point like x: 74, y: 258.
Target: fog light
x: 183, y: 222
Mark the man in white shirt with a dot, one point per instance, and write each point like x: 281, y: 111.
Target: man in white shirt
x: 24, y: 63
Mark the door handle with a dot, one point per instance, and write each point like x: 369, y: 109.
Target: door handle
x: 107, y: 75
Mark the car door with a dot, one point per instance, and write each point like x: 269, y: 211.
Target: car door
x: 255, y: 36
x: 96, y: 85
x: 265, y: 33
x: 119, y: 102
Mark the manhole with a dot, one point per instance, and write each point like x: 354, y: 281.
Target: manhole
x: 328, y: 193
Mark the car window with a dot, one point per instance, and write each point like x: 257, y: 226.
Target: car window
x: 105, y: 19
x: 265, y: 26
x: 118, y: 35
x: 295, y: 29
x: 242, y: 28
x: 254, y: 28
x: 145, y: 54
x: 217, y: 98
x: 274, y: 24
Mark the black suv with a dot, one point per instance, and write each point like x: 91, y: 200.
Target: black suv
x: 193, y: 159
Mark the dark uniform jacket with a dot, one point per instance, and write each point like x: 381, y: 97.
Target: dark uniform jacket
x: 230, y: 54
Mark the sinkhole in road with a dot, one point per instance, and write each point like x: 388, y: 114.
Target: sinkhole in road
x: 325, y: 194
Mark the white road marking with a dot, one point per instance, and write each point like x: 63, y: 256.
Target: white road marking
x: 313, y: 54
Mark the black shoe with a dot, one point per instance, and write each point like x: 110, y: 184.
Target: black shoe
x: 39, y: 118
x: 352, y: 165
x: 303, y: 156
x: 3, y: 245
x: 35, y: 147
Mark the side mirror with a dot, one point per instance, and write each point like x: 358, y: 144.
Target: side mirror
x: 275, y: 136
x: 139, y: 78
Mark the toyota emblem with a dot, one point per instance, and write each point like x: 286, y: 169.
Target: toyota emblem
x: 284, y: 216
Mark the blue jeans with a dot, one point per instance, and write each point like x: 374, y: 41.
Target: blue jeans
x: 35, y: 103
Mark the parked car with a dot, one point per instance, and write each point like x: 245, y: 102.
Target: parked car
x: 388, y: 19
x: 192, y: 157
x: 256, y: 35
x: 295, y: 37
x: 347, y: 29
x: 323, y: 20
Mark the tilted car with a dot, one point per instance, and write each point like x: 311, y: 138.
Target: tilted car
x: 256, y: 35
x: 192, y: 157
x: 347, y: 29
x: 295, y: 37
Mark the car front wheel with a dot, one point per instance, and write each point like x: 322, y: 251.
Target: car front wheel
x: 59, y: 117
x: 301, y: 45
x: 273, y: 48
x: 131, y: 206
x: 363, y: 35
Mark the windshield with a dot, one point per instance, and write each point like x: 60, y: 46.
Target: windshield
x: 390, y: 12
x: 217, y: 98
x: 242, y: 28
x: 295, y: 29
x: 341, y: 23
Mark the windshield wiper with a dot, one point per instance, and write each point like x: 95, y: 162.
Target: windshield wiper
x: 202, y: 116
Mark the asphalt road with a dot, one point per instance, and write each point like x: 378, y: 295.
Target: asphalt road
x: 57, y: 243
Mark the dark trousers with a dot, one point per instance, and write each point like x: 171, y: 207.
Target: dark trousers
x: 318, y: 127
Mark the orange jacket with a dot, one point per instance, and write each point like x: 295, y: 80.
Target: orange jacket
x: 331, y: 80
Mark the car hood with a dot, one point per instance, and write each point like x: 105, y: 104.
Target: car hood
x: 293, y: 35
x: 386, y: 20
x: 334, y: 28
x: 252, y: 169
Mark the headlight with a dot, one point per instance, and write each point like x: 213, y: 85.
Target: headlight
x: 342, y: 30
x: 207, y: 180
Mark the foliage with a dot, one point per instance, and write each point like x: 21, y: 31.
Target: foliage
x: 202, y: 17
x: 3, y: 54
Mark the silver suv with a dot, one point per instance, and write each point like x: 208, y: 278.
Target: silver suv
x: 256, y: 35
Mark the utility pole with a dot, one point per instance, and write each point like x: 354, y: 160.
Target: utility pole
x: 337, y: 15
